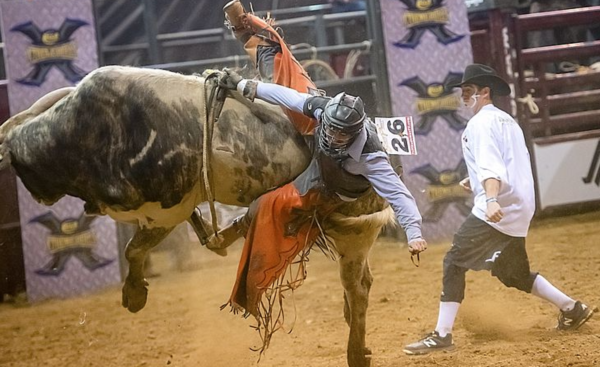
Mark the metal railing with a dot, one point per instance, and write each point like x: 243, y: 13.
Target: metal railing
x: 229, y: 52
x: 216, y: 35
x: 567, y: 103
x: 237, y: 59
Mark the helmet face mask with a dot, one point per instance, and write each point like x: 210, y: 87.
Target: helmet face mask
x: 334, y: 141
x: 341, y: 123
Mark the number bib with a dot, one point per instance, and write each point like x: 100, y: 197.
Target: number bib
x: 397, y: 135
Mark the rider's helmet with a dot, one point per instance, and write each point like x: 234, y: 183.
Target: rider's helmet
x: 341, y: 122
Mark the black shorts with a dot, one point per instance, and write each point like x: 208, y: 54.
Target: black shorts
x: 479, y: 246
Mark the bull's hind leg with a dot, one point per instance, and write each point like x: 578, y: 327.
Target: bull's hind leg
x: 135, y: 289
x: 356, y: 278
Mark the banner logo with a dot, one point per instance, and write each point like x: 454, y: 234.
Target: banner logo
x: 51, y: 48
x: 422, y: 16
x: 69, y: 238
x: 443, y: 190
x: 436, y: 100
x: 594, y: 168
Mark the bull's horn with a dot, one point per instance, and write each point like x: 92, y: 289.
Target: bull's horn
x: 38, y: 107
x: 49, y: 100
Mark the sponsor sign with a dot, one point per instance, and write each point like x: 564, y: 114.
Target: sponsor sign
x: 568, y: 172
x: 427, y: 47
x: 50, y: 44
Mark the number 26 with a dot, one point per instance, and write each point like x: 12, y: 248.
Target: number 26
x: 397, y: 127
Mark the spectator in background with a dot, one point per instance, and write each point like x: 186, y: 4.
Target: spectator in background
x: 595, y: 31
x: 558, y: 36
x: 342, y: 6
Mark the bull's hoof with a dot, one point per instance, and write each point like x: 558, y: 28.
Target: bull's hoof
x: 360, y: 359
x: 135, y: 295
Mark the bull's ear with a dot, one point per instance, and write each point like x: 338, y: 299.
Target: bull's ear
x: 4, y: 157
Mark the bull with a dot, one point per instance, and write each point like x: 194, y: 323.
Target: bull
x: 129, y: 143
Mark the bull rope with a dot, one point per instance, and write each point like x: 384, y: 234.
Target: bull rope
x: 212, y: 114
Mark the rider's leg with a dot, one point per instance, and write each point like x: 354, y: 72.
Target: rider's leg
x: 266, y: 51
x: 271, y: 56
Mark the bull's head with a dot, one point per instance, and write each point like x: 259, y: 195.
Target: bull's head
x: 37, y: 108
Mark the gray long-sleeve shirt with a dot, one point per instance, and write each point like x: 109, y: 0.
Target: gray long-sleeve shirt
x: 375, y: 167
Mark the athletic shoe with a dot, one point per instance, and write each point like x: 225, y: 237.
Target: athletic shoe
x: 430, y: 343
x: 572, y: 320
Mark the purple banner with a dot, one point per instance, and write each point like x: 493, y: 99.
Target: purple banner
x: 66, y: 253
x: 427, y: 46
x: 50, y: 44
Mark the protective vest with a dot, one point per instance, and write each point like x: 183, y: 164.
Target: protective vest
x: 327, y: 174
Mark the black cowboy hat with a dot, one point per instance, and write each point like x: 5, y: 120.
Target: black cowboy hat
x: 484, y: 76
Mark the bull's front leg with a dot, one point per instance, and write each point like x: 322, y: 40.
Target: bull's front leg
x: 356, y: 301
x: 135, y: 289
x: 367, y: 281
x: 356, y: 279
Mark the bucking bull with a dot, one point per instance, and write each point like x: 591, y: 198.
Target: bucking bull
x: 129, y: 142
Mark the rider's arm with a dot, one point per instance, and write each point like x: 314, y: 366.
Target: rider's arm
x: 277, y: 94
x: 377, y: 169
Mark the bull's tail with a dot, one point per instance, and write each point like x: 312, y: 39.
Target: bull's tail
x: 374, y: 220
x: 37, y: 108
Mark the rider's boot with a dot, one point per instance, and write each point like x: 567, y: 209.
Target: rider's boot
x: 246, y: 28
x: 228, y: 235
x: 235, y: 15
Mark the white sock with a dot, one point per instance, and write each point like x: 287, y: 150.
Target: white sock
x: 446, y: 317
x: 545, y: 290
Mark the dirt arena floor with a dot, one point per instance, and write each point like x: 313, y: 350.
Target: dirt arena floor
x: 182, y: 325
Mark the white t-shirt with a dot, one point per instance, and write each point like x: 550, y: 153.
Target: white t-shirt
x: 494, y: 147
